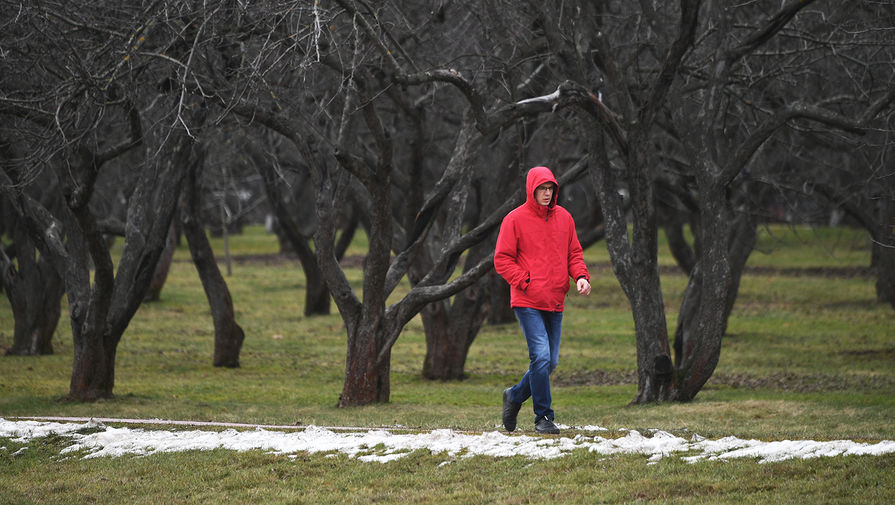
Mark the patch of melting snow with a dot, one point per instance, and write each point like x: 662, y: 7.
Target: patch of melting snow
x: 95, y: 439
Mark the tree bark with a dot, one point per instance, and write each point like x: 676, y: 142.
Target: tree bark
x: 449, y: 338
x: 366, y: 378
x: 93, y: 372
x: 707, y: 308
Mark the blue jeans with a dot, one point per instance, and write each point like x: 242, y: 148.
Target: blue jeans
x: 542, y: 330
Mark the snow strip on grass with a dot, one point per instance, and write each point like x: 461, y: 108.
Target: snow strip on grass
x: 94, y: 439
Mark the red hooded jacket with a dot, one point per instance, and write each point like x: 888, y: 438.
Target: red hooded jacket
x: 538, y: 250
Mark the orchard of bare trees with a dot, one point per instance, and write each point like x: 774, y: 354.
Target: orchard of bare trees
x: 416, y: 121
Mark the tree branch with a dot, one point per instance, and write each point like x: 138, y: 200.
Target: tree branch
x: 454, y: 78
x: 686, y: 35
x: 766, y: 32
x: 420, y: 296
x: 572, y: 93
x: 810, y: 112
x: 125, y: 146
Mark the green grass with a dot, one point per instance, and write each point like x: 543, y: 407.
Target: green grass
x: 806, y: 356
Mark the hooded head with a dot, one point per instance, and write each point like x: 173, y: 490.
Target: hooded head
x: 536, y: 177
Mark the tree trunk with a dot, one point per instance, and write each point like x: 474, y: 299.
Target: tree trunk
x: 317, y: 295
x: 644, y: 287
x: 452, y: 327
x: 346, y: 236
x: 711, y: 293
x: 228, y: 334
x: 884, y: 255
x: 499, y: 293
x: 93, y: 372
x: 366, y: 378
x: 635, y: 260
x: 448, y: 342
x: 34, y: 291
x: 440, y: 347
x: 35, y: 326
x: 741, y: 245
x: 654, y: 367
x: 101, y: 310
x: 885, y: 275
x: 94, y: 346
x: 154, y: 293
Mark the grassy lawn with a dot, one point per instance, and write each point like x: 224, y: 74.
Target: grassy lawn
x: 809, y: 355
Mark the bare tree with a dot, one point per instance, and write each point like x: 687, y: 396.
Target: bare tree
x: 709, y: 76
x: 292, y: 203
x: 86, y: 80
x: 228, y: 334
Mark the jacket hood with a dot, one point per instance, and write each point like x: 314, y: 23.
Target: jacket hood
x: 536, y: 177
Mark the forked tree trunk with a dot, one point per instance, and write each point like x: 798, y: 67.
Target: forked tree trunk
x: 704, y: 311
x: 228, y: 334
x: 101, y: 310
x: 34, y: 291
x: 711, y: 292
x: 450, y: 336
x: 689, y: 380
x: 451, y: 327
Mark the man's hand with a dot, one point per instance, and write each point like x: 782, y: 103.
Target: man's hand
x: 583, y: 287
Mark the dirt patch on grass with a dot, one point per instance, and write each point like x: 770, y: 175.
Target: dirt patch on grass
x: 784, y: 381
x: 873, y: 354
x: 595, y: 378
x: 803, y: 383
x: 828, y: 272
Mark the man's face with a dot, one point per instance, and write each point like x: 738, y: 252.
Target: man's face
x: 544, y: 193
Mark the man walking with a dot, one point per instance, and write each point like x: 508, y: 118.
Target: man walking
x: 537, y: 253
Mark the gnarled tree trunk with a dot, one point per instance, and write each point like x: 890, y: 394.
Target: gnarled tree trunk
x: 709, y: 298
x: 317, y: 295
x: 228, y: 334
x: 102, y: 310
x: 452, y: 327
x: 34, y: 291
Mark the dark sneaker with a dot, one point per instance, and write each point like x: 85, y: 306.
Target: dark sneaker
x: 510, y: 411
x: 546, y: 426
